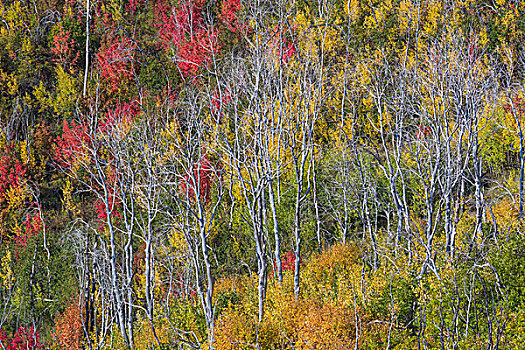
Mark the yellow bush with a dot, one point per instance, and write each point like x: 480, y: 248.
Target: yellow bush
x: 234, y: 330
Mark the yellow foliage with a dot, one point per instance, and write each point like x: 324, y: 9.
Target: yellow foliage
x: 16, y: 197
x: 12, y: 85
x: 178, y: 246
x: 24, y: 156
x: 315, y: 38
x: 408, y: 16
x: 13, y: 16
x: 234, y: 330
x: 335, y: 290
x: 66, y: 92
x: 67, y: 198
x: 381, y: 11
x: 434, y: 12
x: 144, y: 336
x: 506, y: 214
x: 6, y: 273
x: 353, y: 9
x: 326, y: 326
x: 465, y: 227
x: 305, y: 323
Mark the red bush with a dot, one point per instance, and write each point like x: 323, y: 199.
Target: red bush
x: 33, y: 227
x: 12, y: 173
x: 518, y: 106
x: 132, y: 5
x: 183, y: 32
x: 63, y: 48
x: 116, y: 121
x: 4, y: 340
x: 423, y: 132
x: 281, y: 46
x: 218, y: 103
x: 288, y: 261
x: 116, y: 62
x: 228, y: 15
x: 23, y: 339
x: 71, y: 145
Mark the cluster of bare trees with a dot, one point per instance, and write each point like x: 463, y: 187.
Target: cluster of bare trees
x: 395, y: 176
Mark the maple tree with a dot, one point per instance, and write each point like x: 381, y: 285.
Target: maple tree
x: 116, y: 62
x: 184, y: 35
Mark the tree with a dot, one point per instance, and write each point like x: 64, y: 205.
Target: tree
x: 193, y: 210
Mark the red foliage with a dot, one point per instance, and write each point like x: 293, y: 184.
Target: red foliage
x: 102, y: 213
x: 138, y: 262
x: 74, y: 141
x: 116, y: 56
x: 62, y: 48
x: 132, y: 5
x: 184, y: 33
x: 116, y: 121
x: 12, y: 174
x: 518, y: 104
x: 196, y: 52
x: 217, y: 103
x: 112, y: 200
x: 199, y: 181
x: 288, y: 51
x: 423, y: 132
x: 24, y: 338
x: 288, y: 261
x: 281, y: 47
x: 181, y: 21
x: 167, y: 95
x: 473, y: 47
x: 33, y: 227
x: 71, y: 145
x: 116, y: 62
x: 103, y: 21
x: 228, y: 15
x: 4, y: 339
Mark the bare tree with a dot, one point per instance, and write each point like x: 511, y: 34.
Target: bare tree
x: 99, y: 159
x: 191, y: 173
x: 86, y: 70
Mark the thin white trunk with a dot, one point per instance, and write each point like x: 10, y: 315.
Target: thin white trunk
x: 87, y: 50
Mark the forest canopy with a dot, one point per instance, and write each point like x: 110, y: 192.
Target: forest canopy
x: 239, y: 174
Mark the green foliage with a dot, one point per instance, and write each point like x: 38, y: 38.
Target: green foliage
x: 509, y: 262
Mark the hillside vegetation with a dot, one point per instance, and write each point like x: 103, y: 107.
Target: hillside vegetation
x: 241, y: 174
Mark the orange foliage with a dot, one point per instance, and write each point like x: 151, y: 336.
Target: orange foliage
x: 325, y: 326
x: 68, y: 328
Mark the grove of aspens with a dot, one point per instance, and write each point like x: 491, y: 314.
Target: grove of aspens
x: 262, y: 174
